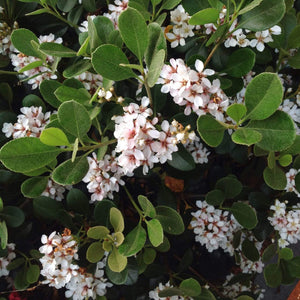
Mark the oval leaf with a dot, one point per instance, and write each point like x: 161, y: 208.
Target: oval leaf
x: 205, y: 16
x: 155, y: 232
x: 116, y: 219
x: 54, y: 137
x: 246, y: 136
x: 57, y: 50
x: 34, y: 187
x: 94, y: 252
x: 116, y: 261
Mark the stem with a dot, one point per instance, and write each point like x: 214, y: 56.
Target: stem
x: 148, y: 90
x: 8, y: 72
x: 87, y: 148
x: 133, y: 202
x: 212, y: 52
x: 58, y: 16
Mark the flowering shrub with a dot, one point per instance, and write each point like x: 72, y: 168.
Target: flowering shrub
x: 144, y: 143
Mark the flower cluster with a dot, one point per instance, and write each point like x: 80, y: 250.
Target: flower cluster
x: 291, y: 185
x: 292, y: 108
x: 154, y: 294
x: 6, y: 46
x: 287, y: 223
x: 214, y: 228
x: 60, y: 251
x: 4, y: 261
x: 36, y: 75
x: 90, y: 81
x: 140, y: 143
x: 103, y: 177
x: 242, y: 38
x: 85, y: 24
x: 198, y: 151
x: 232, y: 291
x: 193, y: 89
x: 31, y: 123
x: 55, y: 191
x: 180, y: 30
x: 115, y: 11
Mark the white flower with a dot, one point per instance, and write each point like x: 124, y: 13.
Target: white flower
x: 54, y: 190
x: 5, y: 260
x: 262, y: 37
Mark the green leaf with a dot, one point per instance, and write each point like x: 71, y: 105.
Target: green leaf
x: 27, y: 154
x: 134, y: 31
x: 210, y: 130
x: 294, y: 38
x: 293, y: 266
x: 244, y: 297
x: 94, y: 38
x: 97, y: 232
x: 269, y: 253
x: 246, y: 136
x: 267, y: 14
x: 66, y: 93
x: 33, y: 100
x: 13, y: 216
x: 95, y: 252
x: 77, y: 68
x: 106, y: 60
x: 217, y: 34
x: 16, y: 263
x: 249, y: 250
x: 149, y: 256
x: 263, y: 96
x: 69, y: 173
x: 1, y: 203
x: 190, y: 287
x: 294, y: 61
x: 169, y: 4
x: 77, y: 201
x: 6, y: 92
x: 34, y: 187
x: 147, y: 206
x: 74, y: 118
x: 230, y: 186
x: 244, y: 214
x: 273, y: 275
x: 3, y: 235
x: 170, y: 220
x: 240, y: 62
x: 38, y: 12
x: 206, y: 295
x: 155, y: 232
x: 157, y: 42
x: 33, y: 273
x: 32, y: 65
x: 134, y: 241
x: 21, y: 39
x: 169, y: 292
x: 286, y: 254
x: 155, y: 67
x: 101, y: 212
x: 104, y: 27
x: 117, y: 278
x: 47, y: 89
x: 215, y: 197
x: 236, y: 111
x: 54, y: 137
x: 285, y: 160
x: 182, y: 160
x: 205, y: 16
x: 250, y: 6
x: 278, y: 131
x: 116, y: 219
x: 297, y: 182
x: 116, y: 261
x: 57, y: 50
x: 46, y: 207
x: 66, y: 6
x: 275, y: 178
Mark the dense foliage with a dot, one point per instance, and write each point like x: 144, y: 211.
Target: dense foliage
x: 150, y: 149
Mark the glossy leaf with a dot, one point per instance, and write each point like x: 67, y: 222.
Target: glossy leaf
x: 47, y: 89
x: 97, y: 232
x: 134, y: 31
x: 13, y: 215
x: 246, y: 136
x: 275, y: 178
x: 170, y: 220
x: 236, y: 111
x: 269, y: 253
x: 267, y: 14
x: 215, y: 197
x: 134, y: 241
x: 155, y: 232
x: 182, y: 160
x: 116, y: 219
x: 263, y: 96
x: 190, y: 287
x: 46, y: 207
x: 77, y: 68
x: 106, y: 60
x: 244, y: 214
x: 54, y: 137
x: 3, y: 235
x: 230, y: 186
x: 94, y: 252
x: 69, y: 173
x: 273, y: 275
x: 250, y: 6
x: 34, y: 187
x: 33, y: 273
x: 205, y: 16
x: 74, y: 118
x: 249, y: 250
x: 21, y: 40
x: 27, y: 154
x: 278, y: 131
x: 116, y: 261
x: 147, y: 206
x: 210, y: 130
x: 57, y: 50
